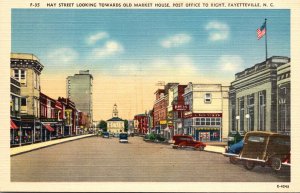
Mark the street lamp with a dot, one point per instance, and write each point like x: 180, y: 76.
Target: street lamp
x: 248, y: 121
x: 237, y: 123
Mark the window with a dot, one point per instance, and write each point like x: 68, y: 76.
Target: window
x: 207, y: 120
x: 202, y: 121
x: 207, y: 98
x: 16, y: 74
x: 250, y: 112
x: 256, y: 139
x: 213, y: 121
x: 197, y: 121
x: 218, y: 121
x: 242, y: 110
x: 23, y: 102
x: 20, y: 75
x: 262, y: 111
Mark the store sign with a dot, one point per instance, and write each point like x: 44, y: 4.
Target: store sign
x: 181, y: 108
x: 163, y: 122
x: 48, y: 120
x: 203, y: 115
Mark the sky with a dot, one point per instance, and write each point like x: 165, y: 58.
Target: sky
x: 129, y: 51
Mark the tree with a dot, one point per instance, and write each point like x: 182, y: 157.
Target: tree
x: 102, y: 125
x: 126, y: 125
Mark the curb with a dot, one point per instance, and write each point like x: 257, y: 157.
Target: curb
x: 37, y: 148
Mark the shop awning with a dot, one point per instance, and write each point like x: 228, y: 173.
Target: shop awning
x: 13, y: 125
x: 48, y: 127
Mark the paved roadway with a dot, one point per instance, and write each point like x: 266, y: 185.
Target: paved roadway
x: 96, y: 159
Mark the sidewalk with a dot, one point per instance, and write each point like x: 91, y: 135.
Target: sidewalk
x: 214, y: 149
x: 27, y: 148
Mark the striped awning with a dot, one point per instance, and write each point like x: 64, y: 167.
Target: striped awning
x: 13, y: 125
x: 208, y: 129
x: 48, y: 127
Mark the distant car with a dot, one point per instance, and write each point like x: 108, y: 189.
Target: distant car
x: 182, y: 141
x: 105, y: 134
x: 123, y: 138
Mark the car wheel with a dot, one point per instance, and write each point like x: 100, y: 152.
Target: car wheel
x: 201, y: 148
x: 249, y: 165
x: 233, y: 160
x: 276, y: 163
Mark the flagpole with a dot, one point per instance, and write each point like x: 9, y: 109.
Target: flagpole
x: 266, y: 39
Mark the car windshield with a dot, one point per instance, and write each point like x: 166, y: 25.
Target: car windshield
x: 123, y: 136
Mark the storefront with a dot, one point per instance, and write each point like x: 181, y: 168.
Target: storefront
x: 207, y: 134
x: 14, y: 133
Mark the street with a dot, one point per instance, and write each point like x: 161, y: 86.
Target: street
x: 97, y: 159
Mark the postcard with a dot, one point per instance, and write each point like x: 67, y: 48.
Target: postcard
x: 149, y: 96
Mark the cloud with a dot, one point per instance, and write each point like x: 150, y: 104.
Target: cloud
x: 110, y: 48
x: 175, y: 41
x: 176, y: 68
x: 230, y: 63
x: 217, y: 31
x: 96, y: 37
x: 62, y: 56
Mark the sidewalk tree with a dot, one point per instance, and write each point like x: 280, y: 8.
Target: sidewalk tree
x: 102, y: 125
x: 126, y: 125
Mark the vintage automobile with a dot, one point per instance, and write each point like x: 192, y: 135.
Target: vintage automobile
x: 105, y: 134
x: 123, y: 138
x: 183, y: 141
x: 264, y: 149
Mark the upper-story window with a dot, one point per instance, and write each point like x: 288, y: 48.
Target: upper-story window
x: 207, y: 98
x: 20, y: 75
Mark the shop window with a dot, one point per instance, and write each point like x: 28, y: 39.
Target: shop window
x: 207, y: 98
x: 202, y: 121
x: 197, y: 121
x: 207, y: 120
x: 213, y: 121
x: 218, y: 121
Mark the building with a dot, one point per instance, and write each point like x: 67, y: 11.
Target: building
x: 115, y: 124
x: 51, y: 121
x: 15, y: 118
x: 80, y: 91
x: 70, y: 116
x: 160, y: 111
x: 207, y: 117
x: 142, y: 123
x: 284, y: 98
x: 260, y: 97
x: 26, y: 68
x: 176, y: 109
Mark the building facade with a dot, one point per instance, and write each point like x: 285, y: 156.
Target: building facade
x: 260, y: 97
x: 80, y: 91
x: 115, y: 124
x: 142, y: 123
x: 176, y: 109
x: 207, y: 117
x: 26, y: 68
x: 160, y: 111
x: 15, y: 117
x: 284, y: 98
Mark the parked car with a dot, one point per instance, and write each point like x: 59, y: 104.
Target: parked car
x: 182, y: 141
x: 105, y: 134
x: 264, y: 149
x: 154, y: 138
x: 123, y: 138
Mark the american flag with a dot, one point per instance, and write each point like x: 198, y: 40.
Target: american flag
x: 261, y: 31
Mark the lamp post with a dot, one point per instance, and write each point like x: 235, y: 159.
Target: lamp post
x: 248, y: 121
x: 237, y: 123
